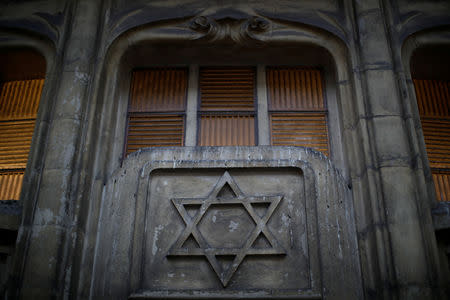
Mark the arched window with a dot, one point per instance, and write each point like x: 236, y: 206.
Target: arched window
x: 240, y: 101
x: 22, y: 73
x: 431, y: 79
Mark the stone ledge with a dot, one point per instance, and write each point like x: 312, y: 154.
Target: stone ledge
x: 441, y: 216
x: 217, y: 295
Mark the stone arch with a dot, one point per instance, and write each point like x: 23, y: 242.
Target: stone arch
x: 418, y: 46
x: 107, y: 114
x: 43, y: 48
x: 129, y: 49
x: 427, y: 46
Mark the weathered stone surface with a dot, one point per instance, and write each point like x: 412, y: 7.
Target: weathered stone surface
x: 45, y: 243
x: 197, y: 228
x: 441, y: 216
x: 90, y: 220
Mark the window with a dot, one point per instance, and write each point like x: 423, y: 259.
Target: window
x: 227, y: 107
x: 433, y: 100
x: 298, y: 116
x: 21, y: 83
x: 156, y: 110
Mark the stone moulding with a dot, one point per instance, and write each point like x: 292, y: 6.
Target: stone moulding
x: 163, y: 199
x: 235, y: 28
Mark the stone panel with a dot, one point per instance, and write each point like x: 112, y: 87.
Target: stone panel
x: 253, y: 235
x: 199, y: 222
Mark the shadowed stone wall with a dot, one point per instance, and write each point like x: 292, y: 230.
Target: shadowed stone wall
x: 89, y: 223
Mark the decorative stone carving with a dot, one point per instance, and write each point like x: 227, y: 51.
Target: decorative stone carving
x: 226, y: 222
x: 201, y: 24
x: 258, y: 24
x: 229, y: 29
x: 204, y: 232
x: 227, y: 193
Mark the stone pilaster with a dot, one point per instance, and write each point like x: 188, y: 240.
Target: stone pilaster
x: 396, y: 223
x: 46, y: 270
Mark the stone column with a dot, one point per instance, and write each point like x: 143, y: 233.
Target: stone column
x: 191, y: 107
x: 52, y: 232
x: 263, y: 115
x: 402, y: 255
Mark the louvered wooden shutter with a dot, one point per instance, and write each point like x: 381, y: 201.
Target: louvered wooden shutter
x: 433, y: 100
x: 156, y: 108
x: 297, y: 110
x: 19, y: 101
x: 441, y: 181
x: 227, y: 106
x: 10, y: 184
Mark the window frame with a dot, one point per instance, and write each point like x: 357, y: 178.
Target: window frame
x: 259, y: 72
x: 431, y: 113
x: 147, y: 54
x: 254, y: 113
x: 27, y: 81
x: 430, y: 41
x: 323, y: 111
x: 181, y: 112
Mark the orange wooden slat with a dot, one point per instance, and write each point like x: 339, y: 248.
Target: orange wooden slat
x: 224, y: 90
x: 227, y: 89
x: 10, y: 184
x: 294, y: 88
x: 227, y: 130
x: 20, y: 99
x: 154, y: 93
x: 299, y: 129
x: 158, y: 90
x: 441, y: 181
x: 15, y: 141
x: 154, y: 130
x: 433, y: 99
x: 437, y: 140
x: 297, y: 108
x: 19, y: 102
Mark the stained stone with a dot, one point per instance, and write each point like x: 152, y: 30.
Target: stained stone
x: 260, y: 222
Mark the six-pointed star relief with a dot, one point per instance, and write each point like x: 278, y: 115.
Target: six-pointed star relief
x: 226, y: 192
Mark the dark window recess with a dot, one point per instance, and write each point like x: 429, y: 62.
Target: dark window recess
x: 19, y: 101
x: 433, y: 100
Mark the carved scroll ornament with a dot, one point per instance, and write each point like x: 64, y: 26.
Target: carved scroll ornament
x: 229, y: 29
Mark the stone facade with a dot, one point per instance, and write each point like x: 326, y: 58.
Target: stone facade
x: 361, y: 224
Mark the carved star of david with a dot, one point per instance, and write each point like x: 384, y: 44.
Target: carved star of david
x: 216, y: 196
